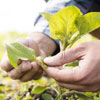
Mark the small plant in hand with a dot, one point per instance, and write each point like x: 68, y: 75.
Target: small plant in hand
x: 67, y: 25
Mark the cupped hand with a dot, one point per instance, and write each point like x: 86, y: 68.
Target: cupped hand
x: 27, y: 70
x: 85, y: 76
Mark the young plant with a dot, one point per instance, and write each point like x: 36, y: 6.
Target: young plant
x: 67, y: 26
x: 17, y: 52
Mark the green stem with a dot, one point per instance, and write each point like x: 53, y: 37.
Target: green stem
x: 40, y: 59
x: 63, y: 44
x: 76, y: 37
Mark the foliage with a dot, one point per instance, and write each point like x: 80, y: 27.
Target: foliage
x: 69, y: 24
x: 17, y: 51
x: 47, y: 16
x: 46, y: 87
x: 88, y: 22
x: 46, y: 96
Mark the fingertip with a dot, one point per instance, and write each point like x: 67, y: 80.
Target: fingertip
x: 35, y: 66
x: 47, y: 59
x: 25, y: 66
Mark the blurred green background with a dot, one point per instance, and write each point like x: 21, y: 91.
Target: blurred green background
x: 14, y: 90
x: 7, y: 38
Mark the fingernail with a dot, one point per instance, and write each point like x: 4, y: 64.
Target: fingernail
x: 47, y: 59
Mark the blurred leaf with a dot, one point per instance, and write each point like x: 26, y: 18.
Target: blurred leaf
x: 2, y: 96
x: 47, y: 16
x: 59, y: 98
x: 38, y: 89
x: 88, y: 22
x: 47, y: 96
x: 62, y: 23
x: 28, y: 97
x: 83, y: 96
x: 17, y: 51
x: 72, y: 64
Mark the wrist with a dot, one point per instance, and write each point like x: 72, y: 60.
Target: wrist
x: 46, y: 45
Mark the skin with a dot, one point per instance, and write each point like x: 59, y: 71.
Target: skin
x: 86, y: 76
x: 30, y: 70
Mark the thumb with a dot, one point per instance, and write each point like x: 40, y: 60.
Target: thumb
x: 64, y: 57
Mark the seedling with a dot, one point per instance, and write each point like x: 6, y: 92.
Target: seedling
x: 17, y: 52
x: 67, y: 26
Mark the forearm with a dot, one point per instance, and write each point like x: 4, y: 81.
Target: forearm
x: 46, y: 44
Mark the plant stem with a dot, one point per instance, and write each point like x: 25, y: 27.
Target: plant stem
x: 74, y: 39
x: 63, y: 44
x: 40, y: 59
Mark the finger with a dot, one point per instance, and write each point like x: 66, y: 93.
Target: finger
x: 5, y: 64
x: 23, y: 68
x: 34, y: 72
x: 74, y: 87
x: 14, y: 74
x: 68, y: 75
x: 65, y: 56
x: 38, y: 74
x: 28, y: 76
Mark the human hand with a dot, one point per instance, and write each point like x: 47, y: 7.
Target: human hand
x: 86, y: 76
x: 27, y: 70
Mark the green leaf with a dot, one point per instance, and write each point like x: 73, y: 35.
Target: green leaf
x: 41, y: 60
x: 72, y: 64
x: 47, y: 96
x: 47, y: 16
x: 62, y: 23
x: 38, y: 89
x: 88, y: 22
x: 59, y: 97
x: 2, y: 96
x: 17, y: 51
x: 83, y: 96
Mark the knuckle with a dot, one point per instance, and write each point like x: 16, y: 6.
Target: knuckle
x: 35, y: 67
x: 25, y: 66
x: 12, y: 76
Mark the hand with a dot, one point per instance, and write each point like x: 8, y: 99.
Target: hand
x: 86, y: 76
x: 27, y: 70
